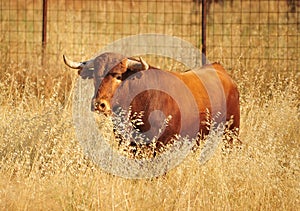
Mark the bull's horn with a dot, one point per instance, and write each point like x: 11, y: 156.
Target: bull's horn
x: 74, y: 65
x: 144, y: 64
x: 137, y: 65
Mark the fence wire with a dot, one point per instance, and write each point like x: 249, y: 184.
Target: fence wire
x: 261, y: 32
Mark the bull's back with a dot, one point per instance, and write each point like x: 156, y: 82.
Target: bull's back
x: 211, y: 89
x: 214, y: 91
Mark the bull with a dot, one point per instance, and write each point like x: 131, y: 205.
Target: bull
x: 184, y: 96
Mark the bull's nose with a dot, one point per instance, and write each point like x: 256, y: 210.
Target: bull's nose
x: 102, y: 106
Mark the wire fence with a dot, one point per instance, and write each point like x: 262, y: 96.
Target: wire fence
x: 260, y: 32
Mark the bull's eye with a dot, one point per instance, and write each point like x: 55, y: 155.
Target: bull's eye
x: 119, y: 77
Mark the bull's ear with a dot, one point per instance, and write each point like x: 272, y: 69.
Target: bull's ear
x: 136, y: 65
x: 86, y: 73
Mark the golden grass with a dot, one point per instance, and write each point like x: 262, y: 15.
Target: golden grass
x: 42, y: 166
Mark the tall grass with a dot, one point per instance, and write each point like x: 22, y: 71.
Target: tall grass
x: 42, y: 166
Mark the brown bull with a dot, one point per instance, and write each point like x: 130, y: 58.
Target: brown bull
x: 185, y: 97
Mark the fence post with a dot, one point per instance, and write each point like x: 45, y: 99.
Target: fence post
x: 44, y: 31
x: 203, y: 32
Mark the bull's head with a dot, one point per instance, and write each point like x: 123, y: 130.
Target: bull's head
x: 108, y: 71
x: 112, y: 80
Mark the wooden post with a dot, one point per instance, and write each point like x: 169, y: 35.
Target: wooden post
x: 203, y: 32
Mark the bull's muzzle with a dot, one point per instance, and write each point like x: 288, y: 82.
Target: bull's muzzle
x: 101, y: 106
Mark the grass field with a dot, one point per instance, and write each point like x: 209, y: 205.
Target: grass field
x: 42, y: 166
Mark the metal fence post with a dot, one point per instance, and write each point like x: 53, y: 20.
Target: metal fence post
x: 44, y: 31
x: 203, y: 32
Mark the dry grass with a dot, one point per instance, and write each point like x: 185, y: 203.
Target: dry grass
x: 42, y: 166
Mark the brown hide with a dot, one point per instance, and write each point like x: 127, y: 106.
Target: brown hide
x: 207, y: 89
x: 186, y: 97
